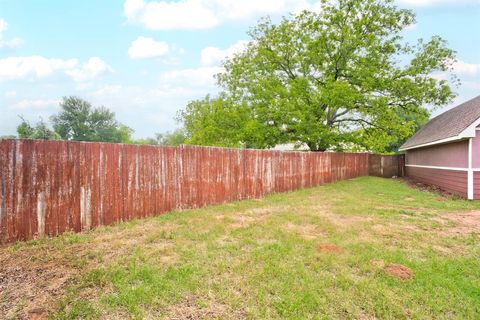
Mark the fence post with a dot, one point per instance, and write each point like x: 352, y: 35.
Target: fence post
x: 71, y: 185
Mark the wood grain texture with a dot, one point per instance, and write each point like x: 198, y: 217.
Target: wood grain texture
x: 50, y: 187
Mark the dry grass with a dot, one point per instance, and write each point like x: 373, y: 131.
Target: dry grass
x: 367, y: 248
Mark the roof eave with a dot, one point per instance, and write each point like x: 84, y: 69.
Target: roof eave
x: 446, y: 140
x: 469, y: 132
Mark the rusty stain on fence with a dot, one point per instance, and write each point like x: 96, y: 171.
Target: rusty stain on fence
x: 49, y: 187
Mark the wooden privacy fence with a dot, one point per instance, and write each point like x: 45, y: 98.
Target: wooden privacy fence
x: 386, y: 166
x: 49, y: 187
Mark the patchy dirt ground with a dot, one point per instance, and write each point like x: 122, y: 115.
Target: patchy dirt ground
x: 271, y: 258
x: 330, y: 248
x: 194, y: 308
x: 307, y: 231
x: 423, y: 187
x: 395, y: 270
x: 457, y: 224
x: 33, y: 277
x: 399, y: 271
x: 27, y: 287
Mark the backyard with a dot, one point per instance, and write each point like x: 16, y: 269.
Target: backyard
x: 364, y: 248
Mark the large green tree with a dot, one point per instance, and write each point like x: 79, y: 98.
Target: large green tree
x: 39, y: 131
x: 343, y: 78
x: 79, y: 120
x: 218, y: 121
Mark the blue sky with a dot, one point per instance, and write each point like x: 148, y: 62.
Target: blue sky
x: 146, y: 59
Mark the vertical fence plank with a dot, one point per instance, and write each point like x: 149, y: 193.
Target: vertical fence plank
x: 24, y: 198
x: 48, y: 187
x: 3, y: 190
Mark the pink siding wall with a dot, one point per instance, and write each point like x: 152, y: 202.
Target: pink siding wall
x: 476, y: 164
x: 476, y: 185
x: 444, y: 155
x: 476, y: 151
x: 453, y: 154
x: 449, y: 180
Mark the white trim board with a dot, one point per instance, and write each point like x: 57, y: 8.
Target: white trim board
x: 446, y: 140
x: 436, y: 167
x: 470, y: 170
x: 442, y: 168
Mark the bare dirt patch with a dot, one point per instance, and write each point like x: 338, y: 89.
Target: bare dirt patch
x: 464, y: 223
x: 399, y: 271
x: 219, y: 217
x: 380, y: 263
x: 27, y: 288
x: 329, y: 248
x: 259, y: 212
x: 193, y: 308
x: 449, y: 250
x: 32, y: 278
x: 344, y: 221
x: 226, y: 240
x: 241, y: 221
x: 246, y: 218
x: 119, y: 242
x: 38, y: 314
x: 306, y: 231
x: 427, y: 188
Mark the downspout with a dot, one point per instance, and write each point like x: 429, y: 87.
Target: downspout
x: 470, y: 171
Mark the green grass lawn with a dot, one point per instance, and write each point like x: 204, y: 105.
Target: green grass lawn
x: 318, y: 253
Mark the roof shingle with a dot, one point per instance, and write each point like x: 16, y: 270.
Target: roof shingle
x: 446, y: 125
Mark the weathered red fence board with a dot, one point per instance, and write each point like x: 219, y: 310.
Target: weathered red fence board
x: 49, y: 187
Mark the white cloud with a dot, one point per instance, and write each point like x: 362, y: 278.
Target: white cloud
x: 162, y: 15
x: 107, y: 90
x: 204, y: 14
x: 32, y: 67
x: 36, y: 67
x: 89, y: 70
x: 143, y: 48
x: 10, y: 94
x: 11, y: 43
x: 35, y: 104
x: 8, y: 43
x: 463, y: 68
x: 3, y: 25
x: 213, y: 55
x: 199, y: 77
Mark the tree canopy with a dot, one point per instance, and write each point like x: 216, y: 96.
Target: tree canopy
x: 340, y: 79
x: 169, y: 138
x: 40, y: 131
x: 78, y: 120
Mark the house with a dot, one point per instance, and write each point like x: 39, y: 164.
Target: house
x: 446, y: 151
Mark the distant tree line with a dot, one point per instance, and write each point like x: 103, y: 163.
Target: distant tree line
x: 78, y: 120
